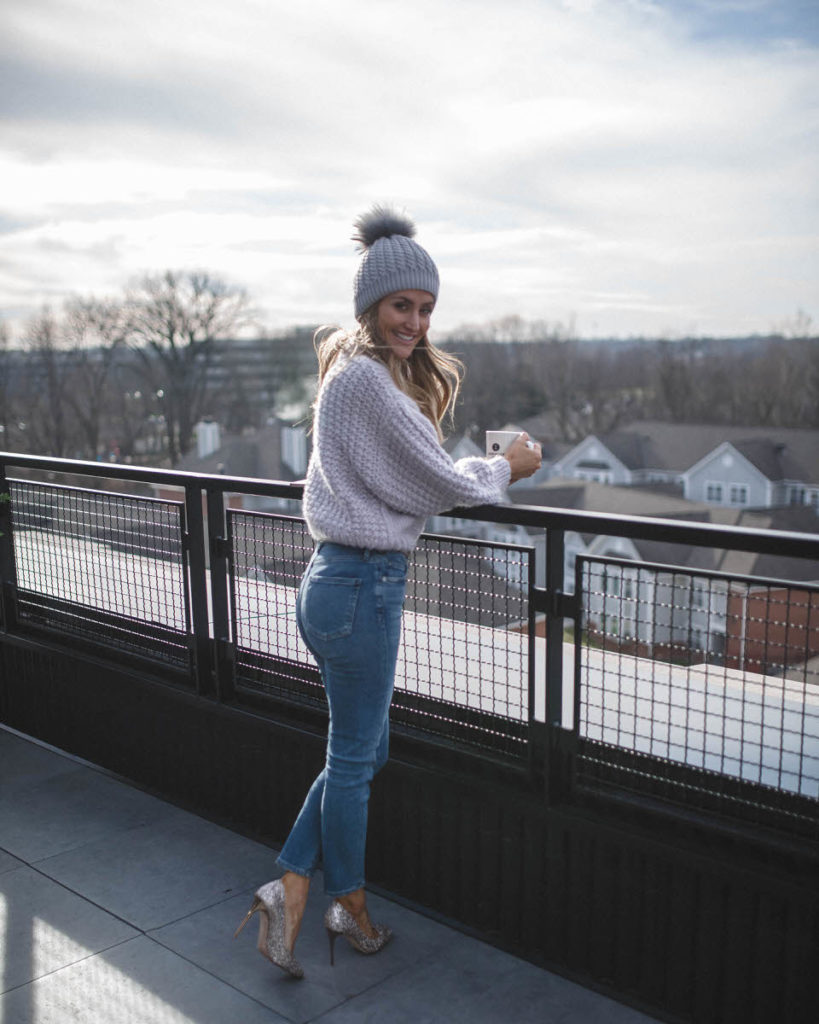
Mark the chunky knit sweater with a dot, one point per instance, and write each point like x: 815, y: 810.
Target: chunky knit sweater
x: 378, y: 469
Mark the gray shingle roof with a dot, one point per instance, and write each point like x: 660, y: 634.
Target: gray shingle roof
x: 779, y: 453
x: 588, y: 496
x: 255, y: 455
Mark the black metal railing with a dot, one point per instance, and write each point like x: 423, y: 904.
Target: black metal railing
x: 102, y: 567
x: 464, y: 664
x: 665, y: 706
x: 660, y: 683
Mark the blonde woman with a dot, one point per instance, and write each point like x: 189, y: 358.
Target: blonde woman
x: 377, y: 471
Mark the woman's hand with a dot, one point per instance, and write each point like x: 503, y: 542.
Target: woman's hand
x: 523, y: 456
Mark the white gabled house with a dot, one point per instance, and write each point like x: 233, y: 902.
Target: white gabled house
x: 726, y: 476
x: 735, y: 467
x: 592, y: 460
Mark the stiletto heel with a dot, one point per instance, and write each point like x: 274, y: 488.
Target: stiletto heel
x: 339, y: 921
x: 332, y: 936
x: 269, y: 899
x: 256, y: 905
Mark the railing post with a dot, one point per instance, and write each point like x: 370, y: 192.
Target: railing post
x: 556, y: 781
x: 538, y: 732
x: 197, y: 573
x: 555, y: 555
x: 8, y: 569
x: 219, y: 577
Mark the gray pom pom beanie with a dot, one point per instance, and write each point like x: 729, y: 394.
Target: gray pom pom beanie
x: 391, y: 260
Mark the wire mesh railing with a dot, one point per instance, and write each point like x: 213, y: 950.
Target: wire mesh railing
x: 697, y: 688
x: 465, y: 665
x: 700, y: 688
x: 103, y: 568
x: 267, y: 555
x: 463, y: 669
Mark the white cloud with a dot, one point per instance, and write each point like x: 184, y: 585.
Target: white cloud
x: 561, y: 156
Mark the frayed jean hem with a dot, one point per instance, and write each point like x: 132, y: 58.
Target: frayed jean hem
x: 311, y: 873
x: 344, y: 892
x: 295, y: 870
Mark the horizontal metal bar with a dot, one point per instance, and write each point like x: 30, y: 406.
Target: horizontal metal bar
x: 703, y: 535
x: 149, y: 475
x: 696, y: 573
x: 708, y: 535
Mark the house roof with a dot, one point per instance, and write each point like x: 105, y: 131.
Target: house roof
x: 779, y: 453
x: 542, y: 428
x: 588, y: 496
x: 796, y: 518
x: 452, y: 580
x: 255, y: 454
x: 777, y: 460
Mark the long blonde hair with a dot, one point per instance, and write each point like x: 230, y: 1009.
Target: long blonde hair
x: 430, y: 376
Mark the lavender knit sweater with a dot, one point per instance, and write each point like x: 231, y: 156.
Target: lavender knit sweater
x: 378, y: 469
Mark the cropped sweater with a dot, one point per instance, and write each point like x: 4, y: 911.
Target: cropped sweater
x: 378, y: 469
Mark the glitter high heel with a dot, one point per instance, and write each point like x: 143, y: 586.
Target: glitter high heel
x: 269, y: 899
x: 339, y: 921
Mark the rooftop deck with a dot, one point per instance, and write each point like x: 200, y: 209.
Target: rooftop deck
x: 605, y: 766
x: 118, y: 908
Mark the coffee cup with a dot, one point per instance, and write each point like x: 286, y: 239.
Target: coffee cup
x: 497, y: 441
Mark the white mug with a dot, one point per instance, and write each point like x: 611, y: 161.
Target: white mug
x: 497, y: 441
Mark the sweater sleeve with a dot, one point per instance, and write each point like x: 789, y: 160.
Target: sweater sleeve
x: 397, y: 454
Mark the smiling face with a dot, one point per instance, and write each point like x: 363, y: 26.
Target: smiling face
x: 402, y: 319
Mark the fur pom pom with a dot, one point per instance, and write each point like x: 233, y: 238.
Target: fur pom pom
x: 380, y: 222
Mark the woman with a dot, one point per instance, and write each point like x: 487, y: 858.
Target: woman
x: 377, y: 471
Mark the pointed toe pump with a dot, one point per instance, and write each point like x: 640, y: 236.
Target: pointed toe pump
x: 269, y: 902
x: 339, y: 921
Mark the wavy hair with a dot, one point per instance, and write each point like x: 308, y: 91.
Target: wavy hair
x: 430, y: 376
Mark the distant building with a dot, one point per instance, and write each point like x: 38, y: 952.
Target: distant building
x: 667, y: 603
x: 773, y: 627
x: 277, y: 452
x: 734, y: 467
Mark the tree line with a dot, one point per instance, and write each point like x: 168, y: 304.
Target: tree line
x: 594, y: 387
x: 129, y: 378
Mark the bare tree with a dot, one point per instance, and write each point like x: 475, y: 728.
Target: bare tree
x: 94, y: 332
x: 48, y: 423
x: 174, y: 319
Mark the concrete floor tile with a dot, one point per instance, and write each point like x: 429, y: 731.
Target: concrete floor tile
x: 139, y: 982
x: 477, y: 984
x: 44, y: 927
x: 155, y: 874
x: 206, y: 939
x: 8, y: 862
x: 68, y: 810
x: 23, y: 762
x: 65, y: 960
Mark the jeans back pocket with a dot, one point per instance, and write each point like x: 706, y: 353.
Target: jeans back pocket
x: 328, y: 606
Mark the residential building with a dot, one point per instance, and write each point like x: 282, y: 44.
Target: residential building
x: 279, y: 451
x: 671, y: 600
x: 733, y: 467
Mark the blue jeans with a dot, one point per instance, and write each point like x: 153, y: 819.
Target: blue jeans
x: 349, y: 613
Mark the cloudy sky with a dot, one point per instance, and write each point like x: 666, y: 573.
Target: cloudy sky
x: 642, y: 166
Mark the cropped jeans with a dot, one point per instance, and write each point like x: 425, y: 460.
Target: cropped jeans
x: 349, y: 614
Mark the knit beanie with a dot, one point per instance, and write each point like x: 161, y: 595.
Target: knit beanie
x: 391, y: 260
